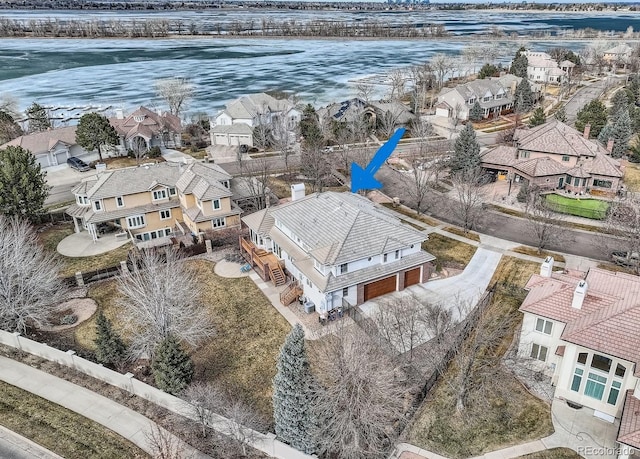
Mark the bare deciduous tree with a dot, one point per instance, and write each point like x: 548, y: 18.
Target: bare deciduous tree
x: 398, y: 81
x: 469, y: 196
x: 175, y: 91
x: 364, y: 91
x: 623, y: 222
x: 281, y: 137
x: 315, y: 165
x: 360, y: 398
x: 401, y: 323
x: 160, y: 298
x: 442, y: 65
x: 29, y: 284
x: 163, y: 444
x: 543, y: 222
x: 419, y: 189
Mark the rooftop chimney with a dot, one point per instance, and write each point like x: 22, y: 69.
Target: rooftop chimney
x: 547, y: 267
x: 579, y: 295
x: 119, y: 113
x: 267, y: 197
x: 297, y: 191
x: 587, y: 131
x: 610, y: 145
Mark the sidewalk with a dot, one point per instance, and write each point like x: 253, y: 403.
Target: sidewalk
x: 123, y: 421
x: 15, y: 446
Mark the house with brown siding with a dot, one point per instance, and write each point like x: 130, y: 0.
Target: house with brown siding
x: 149, y: 203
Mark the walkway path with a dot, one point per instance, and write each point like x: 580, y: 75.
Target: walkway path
x: 14, y: 446
x: 123, y: 421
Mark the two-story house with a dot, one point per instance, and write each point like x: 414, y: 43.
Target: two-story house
x: 148, y: 203
x: 581, y: 330
x: 144, y: 128
x: 542, y: 68
x: 556, y: 156
x: 495, y: 96
x: 234, y: 124
x: 339, y: 248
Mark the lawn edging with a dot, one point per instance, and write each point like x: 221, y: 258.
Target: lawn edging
x: 266, y: 443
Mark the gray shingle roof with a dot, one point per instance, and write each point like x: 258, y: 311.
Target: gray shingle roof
x: 342, y: 227
x: 235, y: 128
x: 196, y: 215
x: 41, y: 142
x: 557, y: 138
x: 98, y: 217
x: 121, y: 182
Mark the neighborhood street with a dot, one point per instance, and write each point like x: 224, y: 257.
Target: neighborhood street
x: 584, y: 96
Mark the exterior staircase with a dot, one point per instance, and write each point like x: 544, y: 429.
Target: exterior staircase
x: 277, y: 274
x: 290, y: 294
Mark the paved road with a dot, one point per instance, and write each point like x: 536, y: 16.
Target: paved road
x: 583, y: 243
x: 586, y: 95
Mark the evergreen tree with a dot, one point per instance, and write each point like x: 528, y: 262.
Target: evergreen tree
x: 466, y: 154
x: 520, y: 64
x: 561, y: 114
x: 110, y: 349
x: 621, y: 134
x: 23, y: 187
x: 537, y: 118
x: 593, y: 113
x: 620, y: 102
x: 488, y: 70
x: 476, y: 113
x: 605, y: 134
x: 93, y: 131
x: 291, y: 394
x: 523, y: 97
x: 38, y: 118
x: 310, y: 128
x: 172, y: 367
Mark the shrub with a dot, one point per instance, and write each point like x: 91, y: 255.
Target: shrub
x: 69, y: 319
x: 154, y: 152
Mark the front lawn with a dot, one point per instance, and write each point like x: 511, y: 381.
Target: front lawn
x: 51, y: 236
x: 249, y: 333
x: 588, y: 208
x: 632, y: 177
x: 449, y: 252
x: 496, y: 415
x: 62, y: 431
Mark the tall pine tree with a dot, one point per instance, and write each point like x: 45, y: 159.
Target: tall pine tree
x: 561, y: 114
x: 38, y: 118
x: 23, y: 187
x: 593, y: 113
x: 291, y: 393
x: 466, y: 154
x: 476, y: 113
x: 523, y: 97
x: 110, y: 349
x: 520, y: 64
x: 621, y: 133
x: 172, y: 367
x: 537, y: 118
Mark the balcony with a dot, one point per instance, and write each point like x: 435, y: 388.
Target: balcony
x: 265, y: 263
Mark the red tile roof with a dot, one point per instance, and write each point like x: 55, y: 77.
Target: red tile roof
x: 629, y: 432
x: 609, y: 319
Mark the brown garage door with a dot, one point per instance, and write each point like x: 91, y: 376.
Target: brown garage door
x: 377, y: 288
x: 412, y: 277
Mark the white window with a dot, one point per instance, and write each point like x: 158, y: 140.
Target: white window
x: 397, y: 254
x: 136, y: 221
x: 172, y: 191
x: 344, y: 268
x: 82, y: 200
x: 199, y: 203
x: 218, y: 222
x: 538, y: 352
x: 97, y: 206
x: 216, y: 204
x: 345, y: 292
x: 119, y: 201
x: 159, y: 194
x: 544, y: 326
x: 165, y: 214
x: 385, y: 257
x: 486, y: 99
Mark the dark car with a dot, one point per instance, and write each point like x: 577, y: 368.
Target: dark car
x: 78, y: 164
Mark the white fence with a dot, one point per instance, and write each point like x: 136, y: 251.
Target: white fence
x: 266, y: 443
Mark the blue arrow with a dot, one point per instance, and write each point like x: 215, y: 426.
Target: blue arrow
x: 363, y: 179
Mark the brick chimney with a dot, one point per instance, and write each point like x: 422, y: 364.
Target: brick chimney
x: 587, y: 130
x: 610, y: 145
x: 579, y: 294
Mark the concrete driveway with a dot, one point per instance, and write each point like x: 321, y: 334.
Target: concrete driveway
x: 459, y: 294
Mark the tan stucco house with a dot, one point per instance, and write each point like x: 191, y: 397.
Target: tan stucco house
x: 151, y: 202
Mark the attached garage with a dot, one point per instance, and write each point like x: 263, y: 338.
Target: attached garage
x: 43, y: 160
x: 380, y: 287
x: 412, y: 277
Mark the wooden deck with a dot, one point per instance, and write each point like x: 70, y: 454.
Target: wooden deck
x: 266, y: 264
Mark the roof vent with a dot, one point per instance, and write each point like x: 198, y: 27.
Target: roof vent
x: 546, y: 269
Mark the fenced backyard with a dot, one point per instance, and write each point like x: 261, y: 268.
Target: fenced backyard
x: 594, y: 209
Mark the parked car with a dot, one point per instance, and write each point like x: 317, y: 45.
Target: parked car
x: 626, y: 259
x: 78, y: 164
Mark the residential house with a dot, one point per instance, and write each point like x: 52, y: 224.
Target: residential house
x: 151, y: 202
x: 542, y: 68
x: 581, y: 330
x: 144, y: 128
x: 53, y: 147
x: 495, y: 96
x: 556, y: 156
x: 251, y: 110
x: 619, y: 55
x: 339, y: 249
